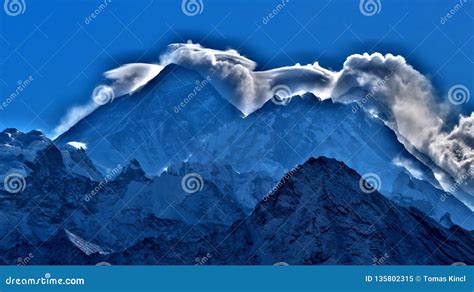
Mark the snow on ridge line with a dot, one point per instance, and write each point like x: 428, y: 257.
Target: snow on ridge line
x: 78, y: 145
x: 86, y: 247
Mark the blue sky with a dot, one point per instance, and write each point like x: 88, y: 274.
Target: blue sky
x: 65, y: 54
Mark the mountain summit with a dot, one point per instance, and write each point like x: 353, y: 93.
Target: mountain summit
x: 179, y: 117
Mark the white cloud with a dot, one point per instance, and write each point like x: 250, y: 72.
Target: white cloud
x: 74, y: 115
x: 408, y: 104
x: 388, y: 86
x: 236, y: 77
x: 125, y: 80
x: 131, y: 77
x: 400, y: 95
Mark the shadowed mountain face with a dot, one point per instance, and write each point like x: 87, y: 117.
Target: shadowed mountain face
x: 319, y: 215
x: 163, y: 124
x: 121, y: 194
x: 54, y: 192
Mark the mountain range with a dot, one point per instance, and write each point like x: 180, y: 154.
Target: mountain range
x: 287, y: 183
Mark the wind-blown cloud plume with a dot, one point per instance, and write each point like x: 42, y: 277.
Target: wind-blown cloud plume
x: 401, y: 96
x: 124, y: 80
x: 408, y: 104
x: 385, y: 86
x: 131, y: 77
x: 236, y: 78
